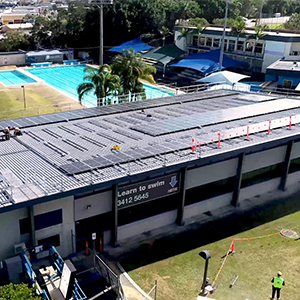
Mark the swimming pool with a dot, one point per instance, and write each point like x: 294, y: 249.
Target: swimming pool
x: 68, y: 78
x: 14, y: 77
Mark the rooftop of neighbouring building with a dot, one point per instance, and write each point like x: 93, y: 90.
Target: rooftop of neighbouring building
x: 64, y: 151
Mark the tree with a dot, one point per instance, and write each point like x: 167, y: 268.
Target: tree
x: 238, y: 27
x: 100, y: 81
x: 15, y: 40
x: 164, y: 32
x: 130, y: 67
x: 17, y: 292
x: 230, y: 22
x: 201, y: 24
x: 293, y: 23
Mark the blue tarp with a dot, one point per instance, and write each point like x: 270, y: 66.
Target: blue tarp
x: 137, y: 45
x: 207, y: 62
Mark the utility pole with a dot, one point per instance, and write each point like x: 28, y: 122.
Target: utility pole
x: 223, y: 38
x: 99, y: 4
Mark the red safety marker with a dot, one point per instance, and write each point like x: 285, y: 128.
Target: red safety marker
x: 290, y: 126
x: 249, y: 239
x: 193, y: 148
x: 86, y: 248
x: 267, y: 236
x: 219, y: 140
x: 232, y: 247
x: 275, y: 233
x: 248, y: 132
x: 100, y: 246
x: 193, y: 140
x: 198, y: 145
x: 269, y: 130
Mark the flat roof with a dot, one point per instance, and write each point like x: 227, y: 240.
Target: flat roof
x: 65, y: 151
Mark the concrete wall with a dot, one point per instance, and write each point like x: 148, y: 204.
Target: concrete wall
x: 12, y: 59
x: 100, y: 203
x: 180, y: 43
x: 211, y: 173
x: 65, y: 229
x: 10, y: 232
x: 139, y: 227
x: 295, y: 150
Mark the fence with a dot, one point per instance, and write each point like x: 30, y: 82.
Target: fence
x: 109, y: 275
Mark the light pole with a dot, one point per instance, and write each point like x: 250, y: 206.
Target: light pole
x: 99, y: 4
x: 223, y: 38
x: 24, y: 99
x: 205, y: 255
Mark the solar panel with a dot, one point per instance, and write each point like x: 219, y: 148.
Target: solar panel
x: 214, y: 117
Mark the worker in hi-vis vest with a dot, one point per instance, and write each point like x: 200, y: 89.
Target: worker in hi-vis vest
x: 278, y: 283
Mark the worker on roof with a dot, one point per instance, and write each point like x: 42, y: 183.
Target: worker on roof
x: 17, y: 131
x: 7, y: 133
x: 278, y: 283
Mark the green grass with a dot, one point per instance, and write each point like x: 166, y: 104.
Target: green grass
x: 12, y: 104
x: 276, y: 26
x: 255, y: 261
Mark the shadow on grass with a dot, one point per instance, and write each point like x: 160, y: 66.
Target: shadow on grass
x: 197, y: 235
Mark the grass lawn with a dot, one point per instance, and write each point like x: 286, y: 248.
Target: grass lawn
x: 12, y: 104
x: 276, y: 26
x: 255, y: 261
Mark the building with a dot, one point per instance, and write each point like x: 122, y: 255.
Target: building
x: 259, y: 53
x: 123, y: 171
x: 285, y: 73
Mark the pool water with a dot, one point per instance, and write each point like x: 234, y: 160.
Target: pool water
x: 68, y: 78
x: 14, y: 77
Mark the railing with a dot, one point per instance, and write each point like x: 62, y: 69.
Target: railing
x: 78, y: 292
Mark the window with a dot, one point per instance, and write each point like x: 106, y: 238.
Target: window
x: 195, y: 41
x: 48, y: 219
x: 258, y: 48
x: 208, y: 42
x: 249, y: 47
x: 287, y: 84
x: 294, y: 165
x: 24, y: 225
x: 231, y: 46
x: 240, y: 46
x: 202, y: 41
x: 216, y: 43
x: 54, y: 240
x: 261, y: 175
x: 209, y: 190
x: 225, y: 45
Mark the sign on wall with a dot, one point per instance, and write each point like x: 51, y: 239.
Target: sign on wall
x: 148, y: 190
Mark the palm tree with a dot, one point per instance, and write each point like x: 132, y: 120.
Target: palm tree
x: 164, y: 32
x: 130, y: 67
x: 238, y: 27
x: 100, y: 81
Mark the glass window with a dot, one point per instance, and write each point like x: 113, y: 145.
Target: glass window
x: 202, y: 41
x: 249, y: 46
x: 208, y: 42
x: 287, y: 84
x: 240, y: 46
x: 258, y: 48
x: 48, y: 219
x: 195, y: 40
x: 231, y: 46
x: 216, y: 43
x: 225, y: 44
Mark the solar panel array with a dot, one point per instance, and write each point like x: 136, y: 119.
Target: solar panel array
x: 105, y: 110
x: 214, y: 117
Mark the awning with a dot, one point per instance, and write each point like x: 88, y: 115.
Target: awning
x: 165, y: 54
x: 137, y: 45
x: 207, y: 62
x: 42, y: 53
x: 225, y: 77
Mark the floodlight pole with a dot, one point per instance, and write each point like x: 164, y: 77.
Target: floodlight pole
x: 205, y: 255
x: 24, y: 99
x: 223, y: 38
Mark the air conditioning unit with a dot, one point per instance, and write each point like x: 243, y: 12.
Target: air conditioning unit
x: 19, y: 248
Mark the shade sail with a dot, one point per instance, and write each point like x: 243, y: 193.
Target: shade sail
x: 207, y: 62
x: 165, y: 54
x: 137, y: 45
x: 226, y: 77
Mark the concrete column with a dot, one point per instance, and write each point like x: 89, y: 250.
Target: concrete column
x: 286, y: 166
x: 180, y: 211
x: 238, y: 181
x: 32, y: 226
x: 114, y: 232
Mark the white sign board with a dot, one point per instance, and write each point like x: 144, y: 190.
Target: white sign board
x: 65, y: 280
x: 93, y: 236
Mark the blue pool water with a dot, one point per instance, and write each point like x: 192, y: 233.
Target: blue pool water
x: 14, y: 77
x: 68, y: 78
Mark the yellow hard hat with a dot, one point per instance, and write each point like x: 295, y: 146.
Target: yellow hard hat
x: 279, y: 273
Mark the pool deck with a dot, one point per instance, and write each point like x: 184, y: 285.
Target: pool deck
x: 54, y: 96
